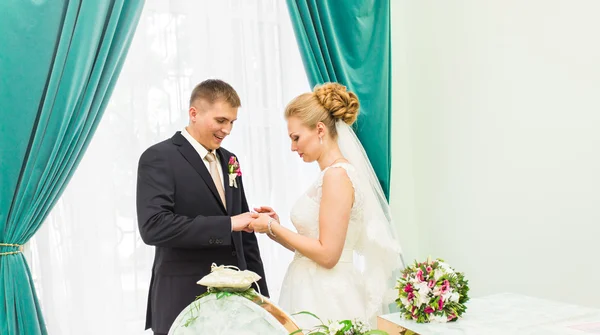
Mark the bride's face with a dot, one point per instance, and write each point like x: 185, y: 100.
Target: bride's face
x: 305, y: 141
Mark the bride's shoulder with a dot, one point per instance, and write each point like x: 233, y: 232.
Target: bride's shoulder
x: 343, y: 167
x: 339, y: 173
x: 340, y: 178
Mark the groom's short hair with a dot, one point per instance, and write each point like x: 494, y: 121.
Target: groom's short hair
x: 213, y: 90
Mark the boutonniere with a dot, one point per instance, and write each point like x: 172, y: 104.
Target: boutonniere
x: 234, y: 171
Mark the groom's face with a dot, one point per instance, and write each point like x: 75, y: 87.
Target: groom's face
x: 211, y: 123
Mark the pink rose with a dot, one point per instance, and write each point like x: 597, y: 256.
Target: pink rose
x: 231, y: 160
x: 411, y: 296
x: 431, y: 283
x: 440, y: 304
x: 451, y: 317
x: 408, y: 288
x: 420, y: 275
x: 429, y: 269
x: 239, y: 172
x: 445, y: 286
x: 428, y: 310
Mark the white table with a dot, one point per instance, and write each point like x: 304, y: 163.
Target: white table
x: 505, y: 314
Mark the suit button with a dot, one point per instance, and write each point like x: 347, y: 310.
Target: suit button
x: 218, y: 241
x: 211, y: 241
x: 233, y: 253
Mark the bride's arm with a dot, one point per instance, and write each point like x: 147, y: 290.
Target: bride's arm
x: 283, y: 244
x: 334, y: 215
x: 272, y: 214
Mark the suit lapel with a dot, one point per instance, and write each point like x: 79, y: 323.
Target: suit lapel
x: 228, y: 191
x: 191, y: 155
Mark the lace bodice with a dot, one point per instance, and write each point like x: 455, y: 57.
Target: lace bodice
x: 305, y: 212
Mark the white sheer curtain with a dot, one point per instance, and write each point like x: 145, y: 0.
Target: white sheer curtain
x: 90, y: 266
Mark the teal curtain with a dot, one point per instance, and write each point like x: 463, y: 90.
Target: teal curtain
x: 59, y: 61
x: 348, y: 41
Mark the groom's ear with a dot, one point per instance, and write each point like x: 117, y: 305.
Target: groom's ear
x: 193, y: 112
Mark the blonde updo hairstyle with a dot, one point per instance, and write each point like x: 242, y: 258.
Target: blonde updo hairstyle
x: 327, y: 103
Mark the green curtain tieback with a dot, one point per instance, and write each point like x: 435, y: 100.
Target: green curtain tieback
x: 20, y: 249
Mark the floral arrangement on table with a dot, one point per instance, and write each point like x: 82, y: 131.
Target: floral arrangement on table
x: 344, y: 327
x: 432, y: 291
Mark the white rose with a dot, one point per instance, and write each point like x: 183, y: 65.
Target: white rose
x: 362, y: 327
x: 437, y: 318
x: 446, y: 267
x: 454, y: 297
x: 422, y: 286
x: 437, y: 274
x: 335, y: 327
x: 423, y: 289
x: 420, y: 300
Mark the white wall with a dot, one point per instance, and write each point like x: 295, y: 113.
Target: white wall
x: 496, y: 144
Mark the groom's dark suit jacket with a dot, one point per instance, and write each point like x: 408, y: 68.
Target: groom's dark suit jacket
x: 181, y: 214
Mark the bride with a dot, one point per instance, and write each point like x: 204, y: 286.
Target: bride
x: 345, y: 251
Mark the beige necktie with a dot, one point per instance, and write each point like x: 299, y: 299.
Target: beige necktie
x: 214, y: 172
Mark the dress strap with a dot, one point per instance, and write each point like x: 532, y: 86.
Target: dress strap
x: 343, y: 165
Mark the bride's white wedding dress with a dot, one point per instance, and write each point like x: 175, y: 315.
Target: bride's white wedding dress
x: 361, y: 284
x: 331, y: 294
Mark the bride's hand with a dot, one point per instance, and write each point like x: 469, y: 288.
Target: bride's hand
x: 260, y: 224
x: 267, y: 210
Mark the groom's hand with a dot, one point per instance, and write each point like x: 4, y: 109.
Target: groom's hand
x: 267, y: 210
x: 260, y: 225
x: 241, y: 222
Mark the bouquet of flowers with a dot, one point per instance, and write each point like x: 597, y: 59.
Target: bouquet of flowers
x: 345, y: 327
x: 432, y: 291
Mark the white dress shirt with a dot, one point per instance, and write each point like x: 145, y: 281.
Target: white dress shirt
x: 203, y: 152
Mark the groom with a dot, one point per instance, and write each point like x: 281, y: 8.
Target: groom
x: 191, y: 208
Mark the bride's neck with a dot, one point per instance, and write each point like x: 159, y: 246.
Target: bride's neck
x: 329, y: 157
